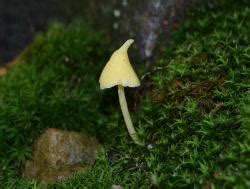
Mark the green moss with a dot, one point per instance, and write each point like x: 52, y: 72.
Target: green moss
x: 194, y: 119
x: 55, y: 86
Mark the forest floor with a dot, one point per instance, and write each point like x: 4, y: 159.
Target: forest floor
x: 193, y: 115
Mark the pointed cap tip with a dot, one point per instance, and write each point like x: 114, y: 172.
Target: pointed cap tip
x: 118, y: 70
x: 127, y: 44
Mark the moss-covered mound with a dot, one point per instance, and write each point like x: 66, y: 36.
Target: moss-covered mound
x: 193, y: 120
x: 53, y: 84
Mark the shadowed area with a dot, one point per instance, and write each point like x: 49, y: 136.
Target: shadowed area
x: 21, y: 20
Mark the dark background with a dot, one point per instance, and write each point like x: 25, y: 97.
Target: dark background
x: 149, y: 22
x: 21, y: 19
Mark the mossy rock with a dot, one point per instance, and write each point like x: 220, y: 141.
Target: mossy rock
x: 59, y: 154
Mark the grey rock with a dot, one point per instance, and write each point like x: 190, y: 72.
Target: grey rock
x: 148, y: 22
x: 58, y: 154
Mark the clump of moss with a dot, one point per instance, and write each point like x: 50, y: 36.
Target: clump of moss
x: 55, y: 85
x: 245, y: 112
x: 193, y: 120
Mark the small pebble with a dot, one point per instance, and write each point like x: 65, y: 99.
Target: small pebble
x: 150, y: 146
x: 115, y: 25
x: 114, y: 186
x: 124, y: 3
x: 117, y: 13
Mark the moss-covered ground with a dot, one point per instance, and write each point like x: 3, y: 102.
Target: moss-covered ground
x: 193, y: 118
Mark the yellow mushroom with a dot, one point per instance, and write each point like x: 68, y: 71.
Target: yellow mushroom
x: 118, y: 71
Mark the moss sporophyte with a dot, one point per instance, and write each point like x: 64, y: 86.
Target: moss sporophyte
x: 118, y: 71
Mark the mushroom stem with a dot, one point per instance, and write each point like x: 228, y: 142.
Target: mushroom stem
x: 126, y: 115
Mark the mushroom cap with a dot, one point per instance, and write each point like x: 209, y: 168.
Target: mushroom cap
x: 118, y: 70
